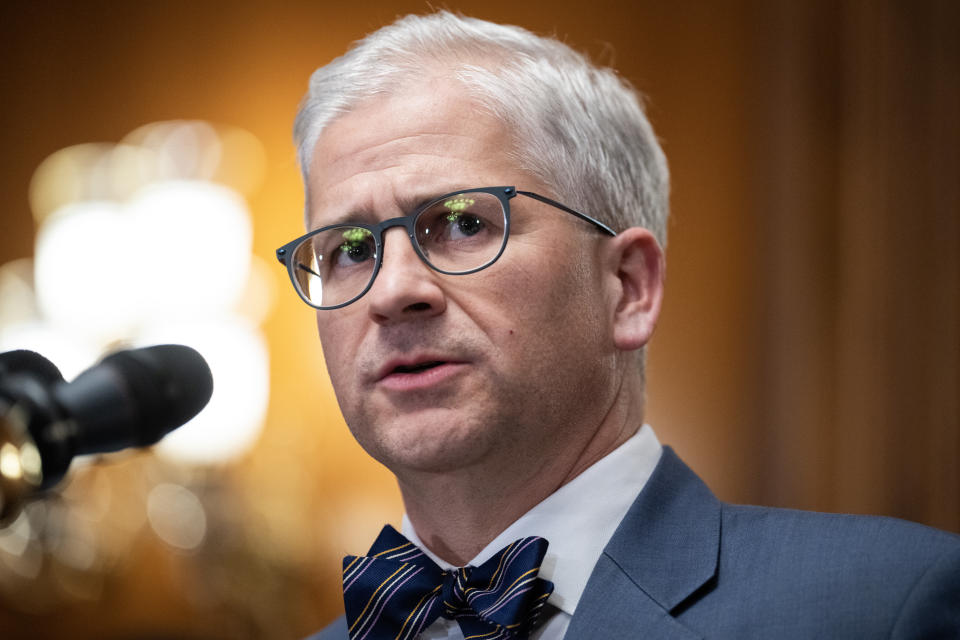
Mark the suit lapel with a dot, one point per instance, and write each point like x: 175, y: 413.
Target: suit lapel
x: 664, y: 550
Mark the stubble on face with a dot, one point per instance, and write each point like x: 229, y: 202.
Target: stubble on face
x: 525, y: 329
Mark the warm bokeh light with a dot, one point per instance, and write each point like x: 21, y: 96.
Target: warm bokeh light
x: 160, y: 253
x: 188, y: 249
x: 16, y: 290
x: 230, y: 424
x: 142, y: 242
x: 85, y: 279
x: 177, y: 516
x: 10, y: 465
x: 201, y: 150
x: 138, y: 243
x: 93, y: 172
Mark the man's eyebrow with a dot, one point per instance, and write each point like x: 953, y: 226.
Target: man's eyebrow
x: 318, y: 220
x: 407, y: 204
x: 412, y: 203
x: 365, y: 217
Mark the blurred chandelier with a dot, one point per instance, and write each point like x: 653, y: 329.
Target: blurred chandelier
x: 141, y: 242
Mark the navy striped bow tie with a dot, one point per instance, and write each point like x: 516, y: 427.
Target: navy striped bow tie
x: 397, y: 591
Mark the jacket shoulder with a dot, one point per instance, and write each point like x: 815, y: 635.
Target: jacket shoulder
x: 824, y: 535
x: 845, y: 573
x: 735, y: 571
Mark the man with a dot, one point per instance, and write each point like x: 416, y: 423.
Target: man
x: 492, y: 357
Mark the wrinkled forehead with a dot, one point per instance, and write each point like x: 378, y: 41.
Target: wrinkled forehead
x: 415, y: 139
x: 399, y: 115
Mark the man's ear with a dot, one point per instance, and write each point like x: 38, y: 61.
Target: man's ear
x: 639, y: 266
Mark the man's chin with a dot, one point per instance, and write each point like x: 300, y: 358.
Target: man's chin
x: 426, y: 445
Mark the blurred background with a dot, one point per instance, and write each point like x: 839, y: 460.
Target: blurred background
x: 808, y: 354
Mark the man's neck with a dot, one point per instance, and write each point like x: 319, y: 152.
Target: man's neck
x: 457, y: 514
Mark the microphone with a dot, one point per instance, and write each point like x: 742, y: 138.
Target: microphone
x: 133, y: 398
x: 130, y: 399
x: 29, y: 361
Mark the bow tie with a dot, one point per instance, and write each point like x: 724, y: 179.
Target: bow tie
x: 396, y: 591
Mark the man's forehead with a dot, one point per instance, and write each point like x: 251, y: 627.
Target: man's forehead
x: 397, y: 117
x: 419, y: 136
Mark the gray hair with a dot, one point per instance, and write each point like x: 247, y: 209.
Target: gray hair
x: 579, y: 129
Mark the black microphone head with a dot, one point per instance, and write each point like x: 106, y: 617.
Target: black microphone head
x: 30, y: 363
x: 134, y: 398
x: 168, y: 384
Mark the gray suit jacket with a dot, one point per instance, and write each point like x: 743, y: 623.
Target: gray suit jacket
x: 683, y: 565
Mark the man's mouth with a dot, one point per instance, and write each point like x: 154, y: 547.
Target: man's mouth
x: 417, y: 373
x: 416, y: 368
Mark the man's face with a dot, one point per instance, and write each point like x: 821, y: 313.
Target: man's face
x: 436, y: 372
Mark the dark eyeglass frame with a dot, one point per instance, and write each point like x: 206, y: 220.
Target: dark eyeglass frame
x: 408, y: 222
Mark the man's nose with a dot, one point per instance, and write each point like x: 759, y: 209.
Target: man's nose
x: 405, y: 288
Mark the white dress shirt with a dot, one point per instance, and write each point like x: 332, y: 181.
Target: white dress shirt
x: 577, y: 520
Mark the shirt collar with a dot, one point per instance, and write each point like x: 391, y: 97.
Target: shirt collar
x: 578, y: 519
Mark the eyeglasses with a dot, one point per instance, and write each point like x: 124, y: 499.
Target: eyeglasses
x: 456, y: 234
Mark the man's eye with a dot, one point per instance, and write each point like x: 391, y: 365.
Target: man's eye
x: 464, y: 225
x: 355, y: 245
x: 353, y: 252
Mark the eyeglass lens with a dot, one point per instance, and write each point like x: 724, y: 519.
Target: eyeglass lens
x: 455, y: 234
